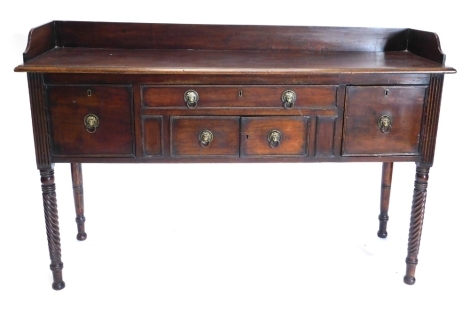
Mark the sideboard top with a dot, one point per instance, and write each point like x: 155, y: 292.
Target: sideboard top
x: 144, y: 48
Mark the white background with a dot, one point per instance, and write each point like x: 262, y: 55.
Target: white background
x: 239, y: 241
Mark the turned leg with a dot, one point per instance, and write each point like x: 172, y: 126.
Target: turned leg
x: 77, y: 183
x: 387, y: 170
x: 52, y: 226
x: 416, y: 223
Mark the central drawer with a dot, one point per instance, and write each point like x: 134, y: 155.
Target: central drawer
x: 206, y: 97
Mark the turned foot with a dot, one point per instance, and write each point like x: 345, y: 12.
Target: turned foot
x: 58, y: 283
x: 58, y: 286
x: 382, y: 234
x: 409, y: 280
x: 81, y: 236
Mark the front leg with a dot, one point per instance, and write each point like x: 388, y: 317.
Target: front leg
x: 52, y: 226
x: 416, y: 223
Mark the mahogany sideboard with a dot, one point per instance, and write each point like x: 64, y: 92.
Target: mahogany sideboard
x: 137, y: 92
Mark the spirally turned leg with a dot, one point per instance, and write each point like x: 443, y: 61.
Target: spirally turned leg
x: 77, y: 182
x: 416, y: 222
x: 387, y: 170
x: 52, y: 226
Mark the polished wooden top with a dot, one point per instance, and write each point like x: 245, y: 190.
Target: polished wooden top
x: 91, y: 60
x: 133, y: 48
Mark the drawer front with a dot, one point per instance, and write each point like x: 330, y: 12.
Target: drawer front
x: 108, y: 110
x: 306, y: 97
x: 383, y: 120
x: 273, y: 136
x: 204, y: 136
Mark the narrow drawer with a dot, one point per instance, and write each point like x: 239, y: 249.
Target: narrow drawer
x: 91, y: 120
x: 383, y: 120
x: 204, y: 136
x: 306, y: 97
x: 273, y: 136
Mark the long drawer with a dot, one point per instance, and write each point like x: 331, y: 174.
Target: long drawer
x: 203, y: 97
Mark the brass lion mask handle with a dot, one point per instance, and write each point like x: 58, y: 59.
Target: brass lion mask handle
x: 91, y: 122
x: 205, y: 138
x: 191, y: 98
x: 288, y: 98
x: 274, y: 138
x: 384, y: 123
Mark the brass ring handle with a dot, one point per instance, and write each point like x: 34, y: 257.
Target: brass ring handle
x: 191, y: 98
x: 384, y: 123
x: 288, y: 98
x: 205, y: 138
x: 91, y: 122
x: 274, y: 138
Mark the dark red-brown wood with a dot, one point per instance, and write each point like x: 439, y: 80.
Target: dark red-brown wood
x: 203, y: 62
x: 255, y: 131
x: 152, y: 145
x: 387, y: 171
x: 52, y: 226
x: 185, y: 133
x: 133, y: 77
x: 224, y: 37
x: 365, y: 106
x: 68, y: 107
x: 40, y: 40
x: 425, y: 44
x: 416, y: 222
x: 77, y: 184
x: 324, y: 136
x: 38, y: 116
x: 214, y: 96
x: 240, y: 79
x: 431, y: 119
